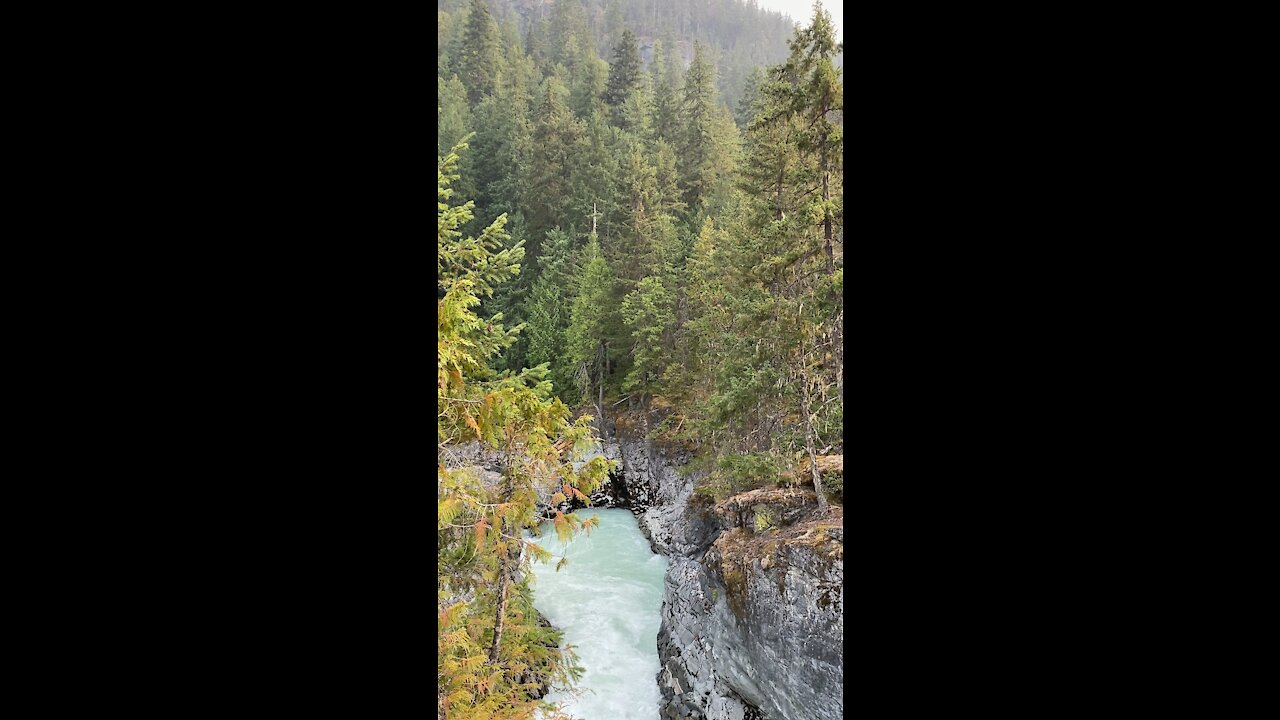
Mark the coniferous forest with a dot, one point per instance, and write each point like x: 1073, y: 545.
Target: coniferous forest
x: 641, y: 219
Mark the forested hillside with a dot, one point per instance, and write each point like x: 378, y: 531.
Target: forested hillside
x: 658, y: 201
x: 738, y: 35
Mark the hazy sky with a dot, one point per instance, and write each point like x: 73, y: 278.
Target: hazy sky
x: 802, y: 11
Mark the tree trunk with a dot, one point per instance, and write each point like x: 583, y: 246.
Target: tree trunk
x: 779, y: 214
x: 837, y: 350
x: 682, y: 318
x: 602, y: 359
x: 808, y: 434
x: 826, y: 211
x: 504, y: 560
x: 501, y: 613
x: 837, y: 335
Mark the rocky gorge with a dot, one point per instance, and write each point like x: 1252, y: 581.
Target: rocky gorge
x: 752, y: 615
x: 752, y: 623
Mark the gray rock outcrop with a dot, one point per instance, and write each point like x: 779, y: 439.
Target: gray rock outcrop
x: 752, y: 622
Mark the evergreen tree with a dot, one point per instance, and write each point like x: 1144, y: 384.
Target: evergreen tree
x: 549, y: 306
x: 667, y: 178
x: 556, y: 134
x: 567, y: 31
x: 478, y: 57
x: 748, y: 104
x: 511, y: 300
x: 666, y: 104
x: 614, y: 22
x: 636, y: 251
x: 444, y: 27
x: 452, y: 114
x: 454, y: 123
x: 591, y: 324
x: 649, y: 314
x: 535, y: 43
x: 636, y: 111
x: 702, y: 142
x: 706, y: 294
x: 595, y: 162
x: 774, y: 172
x: 491, y: 654
x: 624, y: 76
x: 588, y: 83
x: 503, y: 143
x: 818, y: 100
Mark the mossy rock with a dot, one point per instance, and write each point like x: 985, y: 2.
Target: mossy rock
x: 764, y: 520
x: 781, y: 507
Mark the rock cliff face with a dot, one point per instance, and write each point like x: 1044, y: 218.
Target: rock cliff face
x: 752, y: 614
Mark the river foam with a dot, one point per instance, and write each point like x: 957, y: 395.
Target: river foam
x: 608, y: 602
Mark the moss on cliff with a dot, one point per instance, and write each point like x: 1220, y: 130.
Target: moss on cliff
x: 735, y: 554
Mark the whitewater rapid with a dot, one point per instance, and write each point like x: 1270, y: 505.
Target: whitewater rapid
x: 608, y: 602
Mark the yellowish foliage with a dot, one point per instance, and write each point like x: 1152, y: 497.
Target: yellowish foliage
x: 480, y: 521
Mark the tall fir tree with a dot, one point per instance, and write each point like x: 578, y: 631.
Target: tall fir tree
x: 818, y: 100
x: 634, y: 116
x: 707, y: 137
x: 592, y: 325
x: 666, y: 103
x: 500, y: 151
x: 748, y: 103
x: 649, y: 315
x: 614, y: 19
x: 624, y: 76
x: 567, y: 31
x: 595, y: 162
x: 556, y: 135
x: 667, y: 177
x: 549, y: 305
x: 635, y: 251
x: 453, y: 117
x: 478, y: 57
